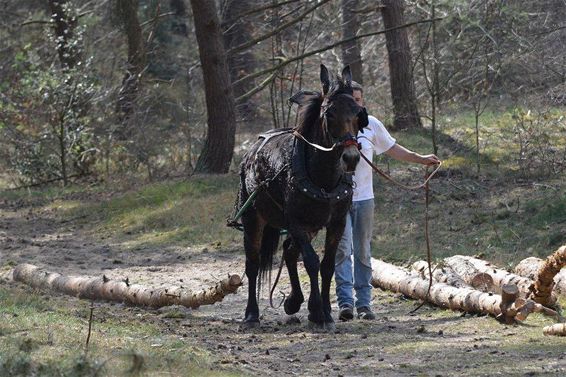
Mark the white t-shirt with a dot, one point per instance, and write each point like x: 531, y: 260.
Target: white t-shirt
x: 375, y: 139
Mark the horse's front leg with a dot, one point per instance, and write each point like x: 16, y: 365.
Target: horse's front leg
x: 333, y: 234
x: 312, y: 265
x: 295, y: 299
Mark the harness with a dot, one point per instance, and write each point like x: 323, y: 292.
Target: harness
x: 300, y: 179
x: 304, y: 185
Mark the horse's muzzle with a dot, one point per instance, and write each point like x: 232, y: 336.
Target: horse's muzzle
x: 350, y: 158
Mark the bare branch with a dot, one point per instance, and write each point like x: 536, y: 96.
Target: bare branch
x: 246, y: 45
x: 256, y: 10
x: 328, y: 47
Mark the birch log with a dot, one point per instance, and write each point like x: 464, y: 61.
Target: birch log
x: 102, y: 288
x: 507, y: 309
x: 529, y: 268
x: 553, y: 272
x: 558, y: 329
x: 440, y: 274
x: 468, y: 267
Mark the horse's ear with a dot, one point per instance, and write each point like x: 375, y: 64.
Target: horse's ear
x: 302, y: 96
x: 324, y: 79
x: 347, y: 76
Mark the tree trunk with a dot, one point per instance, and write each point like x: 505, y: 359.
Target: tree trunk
x: 179, y: 23
x: 393, y: 278
x: 351, y: 53
x: 558, y: 329
x: 240, y: 64
x: 548, y: 276
x: 101, y: 288
x: 219, y: 145
x: 128, y: 13
x: 400, y: 67
x: 507, y: 308
x: 530, y: 267
x: 439, y: 274
x: 468, y: 268
x: 64, y: 27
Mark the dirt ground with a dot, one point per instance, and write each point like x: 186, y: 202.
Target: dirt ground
x: 431, y: 342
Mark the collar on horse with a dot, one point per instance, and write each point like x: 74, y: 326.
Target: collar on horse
x: 302, y: 182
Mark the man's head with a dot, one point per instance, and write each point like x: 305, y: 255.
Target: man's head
x: 358, y: 93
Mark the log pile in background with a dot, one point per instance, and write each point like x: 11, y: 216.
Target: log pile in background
x: 102, y: 288
x: 476, y: 286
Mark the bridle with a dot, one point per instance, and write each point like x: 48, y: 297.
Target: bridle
x: 340, y: 142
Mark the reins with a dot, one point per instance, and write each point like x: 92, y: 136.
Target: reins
x: 425, y: 184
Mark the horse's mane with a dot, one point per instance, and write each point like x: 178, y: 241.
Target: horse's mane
x: 309, y: 111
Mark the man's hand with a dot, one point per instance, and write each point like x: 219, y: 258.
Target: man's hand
x: 429, y: 160
x: 401, y: 153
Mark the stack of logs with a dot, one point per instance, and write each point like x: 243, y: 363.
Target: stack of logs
x: 476, y: 286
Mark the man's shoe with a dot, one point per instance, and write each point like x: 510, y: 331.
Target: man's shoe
x: 365, y: 312
x: 346, y: 313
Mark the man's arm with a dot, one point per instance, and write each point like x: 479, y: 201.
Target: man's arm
x: 401, y: 153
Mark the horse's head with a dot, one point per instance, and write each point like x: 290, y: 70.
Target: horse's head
x: 333, y: 118
x: 341, y: 117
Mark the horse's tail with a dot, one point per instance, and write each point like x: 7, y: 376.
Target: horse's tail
x: 269, y: 244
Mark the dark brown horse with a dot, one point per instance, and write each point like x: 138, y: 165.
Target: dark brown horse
x: 302, y: 182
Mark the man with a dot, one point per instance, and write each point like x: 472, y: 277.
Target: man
x: 359, y: 221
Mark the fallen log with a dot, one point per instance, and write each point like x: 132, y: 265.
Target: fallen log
x: 548, y: 275
x: 529, y: 268
x: 507, y: 309
x: 558, y: 329
x: 440, y: 274
x: 469, y: 268
x: 102, y: 288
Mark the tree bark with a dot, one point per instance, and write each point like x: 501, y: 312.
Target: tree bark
x: 101, y: 288
x: 547, y: 275
x: 64, y: 26
x: 468, y: 268
x: 219, y: 144
x: 507, y: 309
x: 400, y: 67
x: 236, y: 32
x: 179, y: 25
x: 529, y: 268
x: 439, y: 274
x: 351, y: 53
x: 558, y: 329
x: 128, y: 13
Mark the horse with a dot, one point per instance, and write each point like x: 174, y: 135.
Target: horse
x: 301, y: 180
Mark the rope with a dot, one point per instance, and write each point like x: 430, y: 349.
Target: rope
x: 428, y: 252
x: 388, y: 177
x: 424, y: 185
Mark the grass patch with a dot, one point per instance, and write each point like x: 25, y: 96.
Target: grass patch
x: 40, y: 337
x: 193, y: 211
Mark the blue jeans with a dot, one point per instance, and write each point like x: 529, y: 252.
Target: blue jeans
x: 356, y: 242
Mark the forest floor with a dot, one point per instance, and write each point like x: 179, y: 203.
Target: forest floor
x: 44, y: 333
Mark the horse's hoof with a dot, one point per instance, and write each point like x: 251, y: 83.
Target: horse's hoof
x: 322, y: 326
x: 292, y: 320
x: 291, y: 306
x: 249, y: 324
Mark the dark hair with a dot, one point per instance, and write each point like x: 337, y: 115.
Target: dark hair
x: 356, y: 86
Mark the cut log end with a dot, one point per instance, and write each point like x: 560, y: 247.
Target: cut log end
x: 558, y: 329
